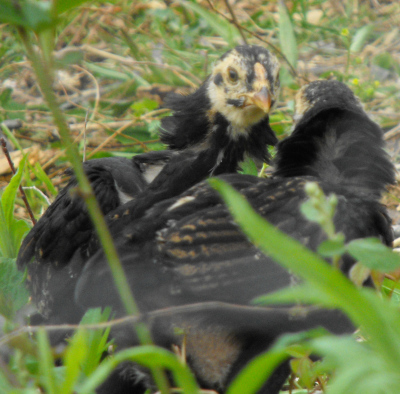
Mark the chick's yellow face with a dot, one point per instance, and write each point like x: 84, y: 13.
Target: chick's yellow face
x: 244, y: 85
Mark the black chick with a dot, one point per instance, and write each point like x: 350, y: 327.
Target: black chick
x: 66, y: 227
x: 210, y: 132
x: 188, y: 249
x: 215, y: 128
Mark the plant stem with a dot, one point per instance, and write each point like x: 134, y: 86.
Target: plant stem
x: 43, y: 73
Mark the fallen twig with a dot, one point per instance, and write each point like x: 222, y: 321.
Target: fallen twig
x: 235, y: 21
x: 392, y: 133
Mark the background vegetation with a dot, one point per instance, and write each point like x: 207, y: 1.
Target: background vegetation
x: 114, y: 62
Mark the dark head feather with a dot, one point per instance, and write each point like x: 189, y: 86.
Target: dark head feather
x: 189, y: 122
x: 335, y: 140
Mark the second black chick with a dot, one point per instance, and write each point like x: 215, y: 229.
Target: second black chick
x: 188, y: 249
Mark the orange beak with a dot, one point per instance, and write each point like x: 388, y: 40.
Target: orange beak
x: 261, y: 99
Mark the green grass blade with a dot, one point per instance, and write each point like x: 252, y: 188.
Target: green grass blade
x: 74, y: 357
x: 251, y: 378
x: 10, y: 192
x: 46, y: 364
x: 287, y: 38
x: 6, y: 247
x: 42, y: 176
x: 10, y: 136
x: 60, y: 6
x: 107, y: 72
x: 360, y: 38
x: 221, y: 26
x: 147, y: 356
x: 11, y: 230
x: 96, y: 339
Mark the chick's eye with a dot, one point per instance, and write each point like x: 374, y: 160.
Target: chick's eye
x: 233, y: 75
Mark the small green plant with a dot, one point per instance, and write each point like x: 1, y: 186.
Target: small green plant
x: 12, y: 230
x: 360, y: 367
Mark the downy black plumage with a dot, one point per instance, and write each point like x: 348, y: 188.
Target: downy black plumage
x: 215, y: 128
x: 188, y: 250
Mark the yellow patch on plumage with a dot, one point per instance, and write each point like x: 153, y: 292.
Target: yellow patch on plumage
x: 180, y: 202
x: 302, y: 104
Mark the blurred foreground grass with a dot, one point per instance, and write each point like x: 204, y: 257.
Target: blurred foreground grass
x: 117, y: 60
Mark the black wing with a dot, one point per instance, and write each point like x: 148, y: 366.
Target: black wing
x: 190, y: 250
x: 66, y: 226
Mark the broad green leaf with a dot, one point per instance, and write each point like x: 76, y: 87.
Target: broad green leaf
x: 11, y: 13
x: 221, y: 26
x: 140, y: 107
x: 33, y: 15
x: 13, y: 294
x: 287, y: 38
x: 360, y: 38
x: 359, y: 367
x: 38, y: 15
x: 332, y: 247
x: 373, y: 254
x: 249, y: 167
x: 18, y: 230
